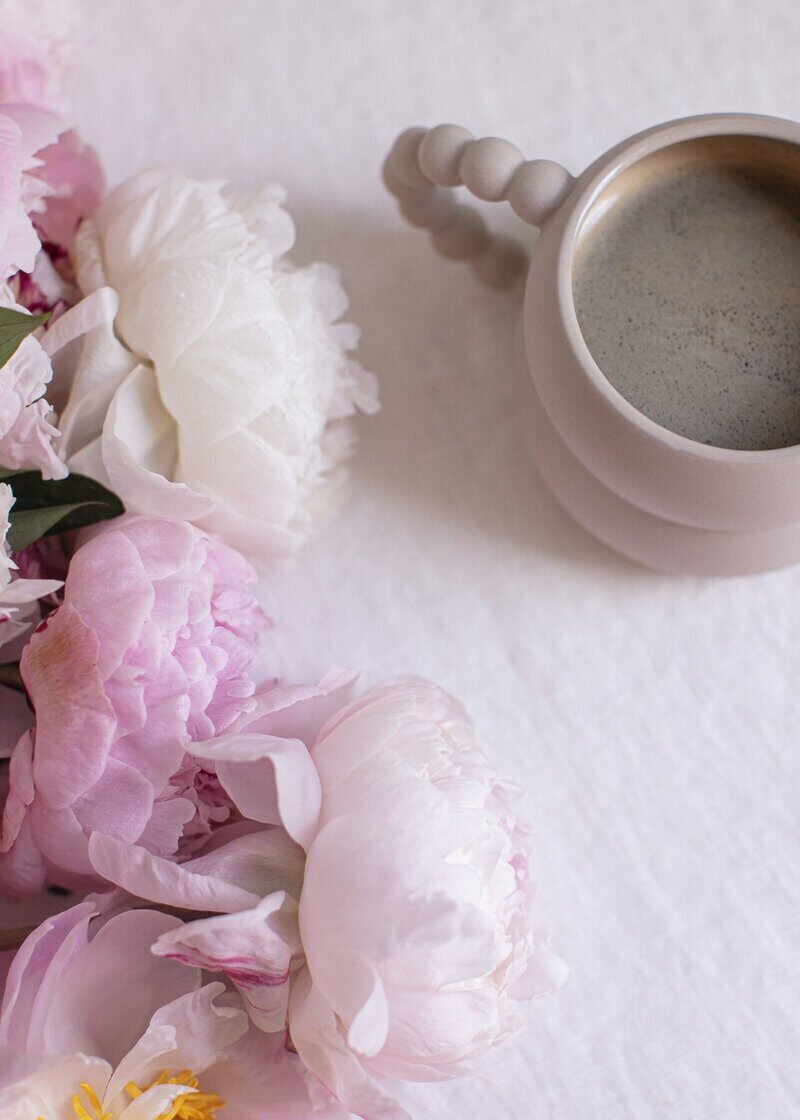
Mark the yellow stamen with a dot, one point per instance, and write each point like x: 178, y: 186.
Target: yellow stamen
x: 94, y: 1103
x: 188, y: 1106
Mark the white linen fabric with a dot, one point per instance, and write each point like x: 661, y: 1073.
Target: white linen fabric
x: 653, y: 720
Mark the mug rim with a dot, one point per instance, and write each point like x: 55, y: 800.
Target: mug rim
x: 599, y: 176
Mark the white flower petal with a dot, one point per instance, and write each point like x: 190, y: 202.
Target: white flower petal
x: 49, y: 1091
x: 162, y: 881
x: 191, y: 1032
x: 139, y: 447
x: 258, y: 949
x: 252, y: 374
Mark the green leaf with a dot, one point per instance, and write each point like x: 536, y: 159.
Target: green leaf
x: 44, y: 507
x: 15, y: 326
x: 30, y: 525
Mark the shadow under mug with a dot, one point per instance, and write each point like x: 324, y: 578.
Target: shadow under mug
x: 662, y: 498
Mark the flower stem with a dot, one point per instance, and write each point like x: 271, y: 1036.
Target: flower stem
x: 10, y: 676
x: 13, y: 938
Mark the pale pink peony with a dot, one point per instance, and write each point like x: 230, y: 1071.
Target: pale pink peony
x: 152, y: 648
x: 404, y: 949
x: 91, y: 1016
x: 49, y: 178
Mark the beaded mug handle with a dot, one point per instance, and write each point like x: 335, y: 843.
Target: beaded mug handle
x: 424, y: 160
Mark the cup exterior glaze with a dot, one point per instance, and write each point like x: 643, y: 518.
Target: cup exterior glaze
x: 669, y: 501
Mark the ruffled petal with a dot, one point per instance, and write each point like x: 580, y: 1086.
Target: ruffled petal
x: 257, y: 949
x: 74, y: 719
x: 29, y: 969
x: 139, y: 445
x: 191, y: 1032
x: 269, y: 779
x: 163, y: 882
x: 315, y: 1033
x: 83, y: 1002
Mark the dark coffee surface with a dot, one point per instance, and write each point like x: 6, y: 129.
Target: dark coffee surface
x: 687, y: 291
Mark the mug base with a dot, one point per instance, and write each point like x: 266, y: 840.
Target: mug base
x: 653, y: 541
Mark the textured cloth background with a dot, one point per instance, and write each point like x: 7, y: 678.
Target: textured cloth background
x: 653, y: 720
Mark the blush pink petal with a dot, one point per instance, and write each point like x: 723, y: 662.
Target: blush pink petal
x: 315, y: 1034
x: 163, y: 831
x: 22, y: 869
x: 120, y: 803
x: 190, y: 1027
x: 75, y: 721
x: 24, y: 129
x: 114, y: 574
x: 63, y: 844
x: 163, y: 882
x: 20, y: 791
x: 84, y: 1004
x: 10, y: 173
x: 261, y: 1067
x: 298, y: 711
x: 262, y: 861
x: 29, y: 968
x: 366, y: 1008
x: 258, y: 949
x: 76, y: 184
x: 263, y: 761
x: 270, y: 780
x: 39, y: 127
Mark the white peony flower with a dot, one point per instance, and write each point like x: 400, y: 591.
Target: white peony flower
x: 222, y: 393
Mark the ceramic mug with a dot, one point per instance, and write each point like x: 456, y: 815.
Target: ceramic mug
x: 658, y: 496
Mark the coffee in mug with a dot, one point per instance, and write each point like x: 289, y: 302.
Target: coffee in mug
x: 686, y: 282
x: 661, y: 326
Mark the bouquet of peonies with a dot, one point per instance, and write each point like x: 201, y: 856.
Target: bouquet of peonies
x: 283, y: 899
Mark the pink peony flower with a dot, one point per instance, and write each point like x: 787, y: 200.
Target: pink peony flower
x: 402, y: 952
x: 49, y: 178
x: 153, y: 647
x: 92, y: 1024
